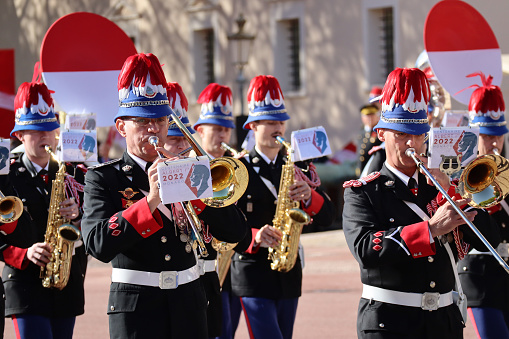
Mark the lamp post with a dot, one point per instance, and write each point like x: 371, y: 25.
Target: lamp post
x: 241, y: 44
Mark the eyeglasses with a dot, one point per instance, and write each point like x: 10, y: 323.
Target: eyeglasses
x: 145, y: 121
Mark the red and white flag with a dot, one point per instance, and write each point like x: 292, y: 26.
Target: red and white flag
x: 459, y: 42
x: 81, y: 57
x: 7, y: 92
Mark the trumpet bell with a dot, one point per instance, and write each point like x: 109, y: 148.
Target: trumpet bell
x: 485, y: 181
x: 229, y: 181
x: 11, y: 209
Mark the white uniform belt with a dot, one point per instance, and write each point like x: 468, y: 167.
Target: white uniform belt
x: 206, y: 266
x: 427, y: 301
x: 164, y: 280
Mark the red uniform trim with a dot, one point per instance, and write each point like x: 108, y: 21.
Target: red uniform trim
x: 139, y: 216
x: 417, y: 239
x: 316, y: 204
x: 452, y: 193
x: 252, y: 249
x: 198, y: 206
x: 9, y: 227
x: 15, y: 256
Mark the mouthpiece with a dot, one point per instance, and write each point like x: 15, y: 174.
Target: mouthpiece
x: 409, y: 152
x: 495, y: 150
x: 280, y: 139
x: 153, y: 140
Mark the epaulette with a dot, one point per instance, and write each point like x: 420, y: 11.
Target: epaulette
x: 105, y: 163
x: 82, y: 167
x: 375, y: 149
x: 361, y: 181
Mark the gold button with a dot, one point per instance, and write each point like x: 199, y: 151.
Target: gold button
x: 112, y: 308
x: 382, y: 325
x: 249, y: 196
x: 164, y: 239
x: 167, y: 257
x: 465, y: 268
x: 9, y: 276
x: 432, y: 284
x: 431, y: 259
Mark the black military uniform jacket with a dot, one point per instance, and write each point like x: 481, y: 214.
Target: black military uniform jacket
x: 118, y: 226
x: 392, y: 246
x: 484, y: 281
x: 23, y: 287
x: 251, y: 275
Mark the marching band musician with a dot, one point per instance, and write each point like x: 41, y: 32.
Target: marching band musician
x: 155, y: 290
x: 40, y: 312
x: 398, y: 228
x: 269, y: 297
x: 486, y: 284
x: 215, y: 126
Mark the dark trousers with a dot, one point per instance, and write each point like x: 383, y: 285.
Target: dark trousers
x: 155, y: 313
x: 29, y: 326
x: 489, y: 322
x: 270, y: 318
x: 231, y: 315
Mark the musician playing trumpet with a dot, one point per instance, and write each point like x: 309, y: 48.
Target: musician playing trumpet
x: 400, y: 229
x: 155, y: 290
x: 270, y: 297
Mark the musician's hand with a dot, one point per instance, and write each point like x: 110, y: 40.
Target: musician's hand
x: 300, y: 191
x: 442, y: 178
x: 268, y: 236
x: 447, y: 219
x: 69, y: 209
x: 39, y: 253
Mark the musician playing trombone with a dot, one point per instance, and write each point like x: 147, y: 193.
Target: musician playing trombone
x: 155, y: 290
x: 486, y: 284
x: 404, y: 234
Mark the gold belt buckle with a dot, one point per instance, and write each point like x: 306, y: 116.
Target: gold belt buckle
x: 430, y: 301
x: 168, y: 280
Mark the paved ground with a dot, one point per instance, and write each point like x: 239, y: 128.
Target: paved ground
x: 327, y: 308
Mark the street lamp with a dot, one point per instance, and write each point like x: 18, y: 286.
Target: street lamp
x: 241, y: 44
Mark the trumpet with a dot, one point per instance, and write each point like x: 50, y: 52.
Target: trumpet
x: 188, y: 209
x: 410, y: 152
x: 11, y: 208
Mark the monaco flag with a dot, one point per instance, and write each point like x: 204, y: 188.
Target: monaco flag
x: 459, y: 42
x: 7, y: 89
x: 81, y: 57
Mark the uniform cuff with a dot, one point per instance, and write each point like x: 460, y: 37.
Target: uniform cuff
x: 140, y: 217
x: 253, y: 247
x: 452, y: 193
x: 15, y: 257
x: 8, y: 228
x: 417, y: 239
x: 316, y: 204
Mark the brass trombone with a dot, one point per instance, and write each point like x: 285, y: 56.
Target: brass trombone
x: 485, y: 171
x: 11, y: 208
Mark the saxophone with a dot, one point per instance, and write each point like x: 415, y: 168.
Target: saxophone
x: 289, y: 219
x: 60, y: 234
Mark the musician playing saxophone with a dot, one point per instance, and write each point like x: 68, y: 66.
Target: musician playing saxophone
x: 40, y: 312
x: 270, y: 297
x: 401, y: 230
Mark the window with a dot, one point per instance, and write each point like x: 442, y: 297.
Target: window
x: 203, y: 58
x: 380, y: 44
x: 287, y: 54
